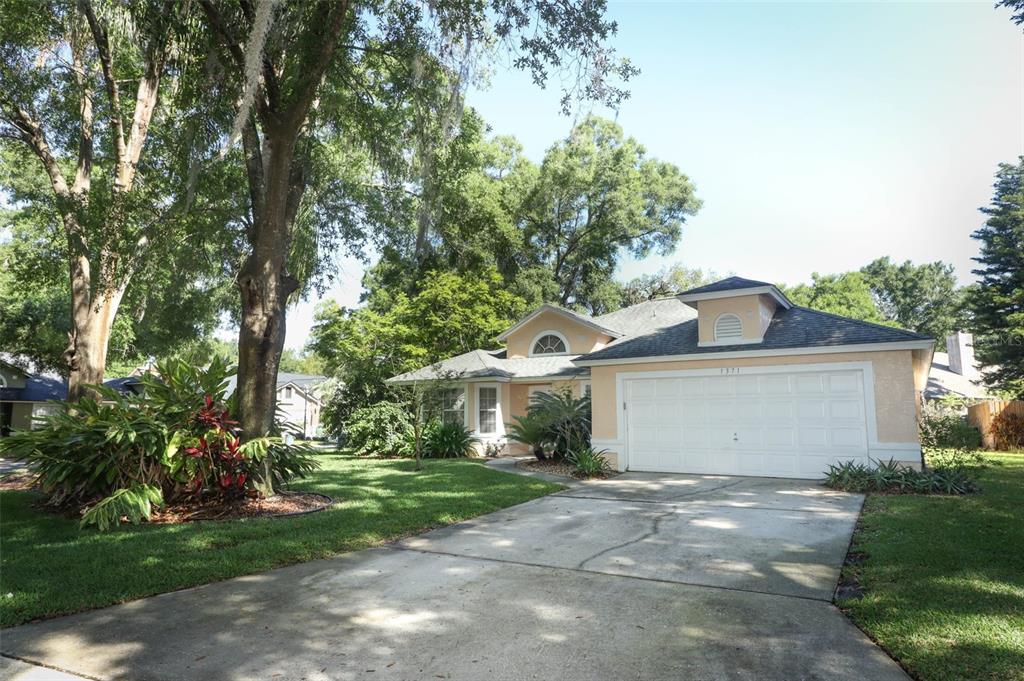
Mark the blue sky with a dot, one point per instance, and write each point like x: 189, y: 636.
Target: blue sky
x: 819, y: 135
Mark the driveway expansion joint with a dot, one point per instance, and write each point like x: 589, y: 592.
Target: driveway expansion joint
x: 688, y: 504
x: 504, y: 561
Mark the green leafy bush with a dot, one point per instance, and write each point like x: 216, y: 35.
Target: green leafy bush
x: 947, y: 439
x: 118, y: 456
x: 564, y: 421
x: 382, y: 429
x: 531, y: 430
x: 892, y: 477
x: 447, y: 441
x: 589, y: 462
x: 1008, y: 430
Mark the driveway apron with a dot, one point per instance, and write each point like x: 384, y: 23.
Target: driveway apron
x: 643, y: 576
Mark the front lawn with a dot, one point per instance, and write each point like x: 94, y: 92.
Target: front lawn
x: 50, y: 567
x: 944, y: 578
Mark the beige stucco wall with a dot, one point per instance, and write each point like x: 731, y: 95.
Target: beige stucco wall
x: 582, y: 338
x: 896, y: 392
x: 748, y: 308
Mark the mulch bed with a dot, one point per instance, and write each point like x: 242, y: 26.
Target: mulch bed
x: 19, y: 482
x: 562, y: 468
x: 281, y: 504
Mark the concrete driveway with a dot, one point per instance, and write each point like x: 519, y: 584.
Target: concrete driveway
x: 639, y: 577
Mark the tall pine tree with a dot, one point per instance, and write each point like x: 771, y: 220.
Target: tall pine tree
x: 998, y: 301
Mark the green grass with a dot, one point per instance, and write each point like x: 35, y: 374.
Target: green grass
x: 49, y: 567
x: 944, y: 578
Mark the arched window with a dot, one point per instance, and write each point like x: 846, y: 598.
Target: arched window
x: 550, y: 343
x: 728, y: 327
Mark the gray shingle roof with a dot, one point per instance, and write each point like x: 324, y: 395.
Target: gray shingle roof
x: 727, y: 284
x: 494, y: 364
x: 797, y: 327
x: 38, y: 388
x: 648, y: 316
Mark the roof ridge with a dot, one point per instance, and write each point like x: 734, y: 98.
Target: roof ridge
x: 876, y: 325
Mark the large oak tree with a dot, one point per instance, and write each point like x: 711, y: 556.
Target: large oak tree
x: 308, y: 69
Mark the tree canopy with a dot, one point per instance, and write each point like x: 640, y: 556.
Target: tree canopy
x: 846, y: 294
x: 996, y: 304
x: 924, y: 298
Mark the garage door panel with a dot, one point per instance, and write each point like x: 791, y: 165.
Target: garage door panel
x: 777, y: 410
x: 810, y: 409
x: 749, y: 410
x: 718, y: 385
x: 775, y: 385
x: 844, y: 383
x: 846, y: 409
x: 809, y: 384
x: 848, y: 437
x: 779, y: 424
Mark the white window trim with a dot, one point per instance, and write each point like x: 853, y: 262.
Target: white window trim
x: 568, y: 350
x: 465, y: 404
x: 583, y: 388
x: 499, y: 423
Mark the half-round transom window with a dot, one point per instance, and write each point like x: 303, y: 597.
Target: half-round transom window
x: 728, y: 327
x: 549, y: 344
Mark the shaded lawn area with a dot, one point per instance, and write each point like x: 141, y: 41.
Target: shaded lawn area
x: 52, y: 568
x: 944, y: 578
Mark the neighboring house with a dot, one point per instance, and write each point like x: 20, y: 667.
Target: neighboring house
x: 24, y: 396
x: 299, y: 401
x: 729, y: 378
x: 955, y: 371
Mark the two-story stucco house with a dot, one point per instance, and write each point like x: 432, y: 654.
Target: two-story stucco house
x: 729, y: 378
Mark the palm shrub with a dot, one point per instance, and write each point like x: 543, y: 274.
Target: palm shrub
x: 447, y: 441
x: 531, y: 430
x: 381, y: 429
x: 118, y: 456
x: 565, y: 418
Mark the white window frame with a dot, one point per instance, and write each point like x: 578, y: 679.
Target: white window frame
x: 288, y: 393
x: 584, y: 387
x: 465, y: 405
x: 718, y: 320
x: 556, y: 334
x: 498, y: 424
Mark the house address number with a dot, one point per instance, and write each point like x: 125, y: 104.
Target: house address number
x: 729, y: 370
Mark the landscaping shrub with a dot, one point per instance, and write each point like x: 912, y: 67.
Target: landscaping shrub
x: 447, y: 441
x: 382, y: 429
x: 589, y: 462
x: 118, y: 456
x: 1008, y: 430
x: 892, y: 477
x: 947, y: 439
x: 531, y: 430
x: 563, y: 420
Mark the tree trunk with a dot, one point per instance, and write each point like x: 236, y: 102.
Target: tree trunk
x: 86, y: 354
x: 264, y: 286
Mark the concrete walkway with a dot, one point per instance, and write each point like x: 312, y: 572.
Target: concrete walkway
x: 638, y: 577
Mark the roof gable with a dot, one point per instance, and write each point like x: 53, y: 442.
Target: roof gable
x: 582, y: 319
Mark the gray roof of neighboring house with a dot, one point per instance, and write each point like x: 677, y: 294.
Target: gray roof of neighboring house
x: 797, y: 327
x: 494, y: 364
x: 38, y: 388
x: 302, y: 380
x: 942, y: 381
x: 728, y: 284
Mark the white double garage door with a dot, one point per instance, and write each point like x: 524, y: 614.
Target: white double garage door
x: 791, y: 423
